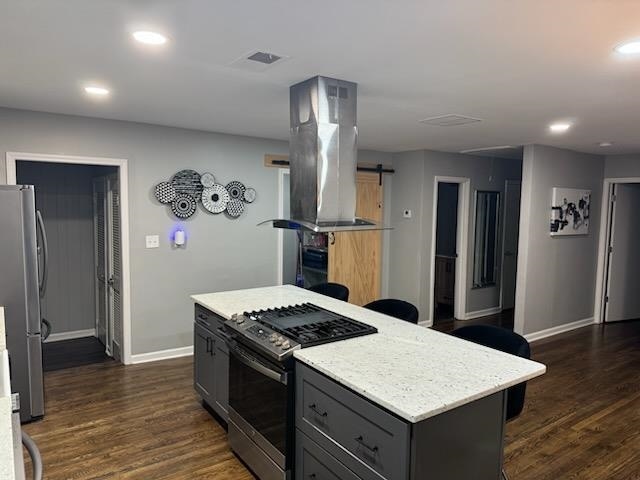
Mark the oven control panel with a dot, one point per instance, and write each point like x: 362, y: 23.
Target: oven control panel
x: 266, y: 339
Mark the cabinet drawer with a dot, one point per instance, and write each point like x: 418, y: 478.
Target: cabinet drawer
x: 365, y: 438
x: 207, y: 318
x: 314, y: 463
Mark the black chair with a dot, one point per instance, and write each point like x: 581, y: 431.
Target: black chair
x: 334, y: 290
x: 395, y: 308
x: 505, y: 341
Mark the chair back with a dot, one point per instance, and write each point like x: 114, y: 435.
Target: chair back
x: 395, y: 308
x: 334, y: 290
x: 505, y: 341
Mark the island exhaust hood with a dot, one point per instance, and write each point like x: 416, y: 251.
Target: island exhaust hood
x: 323, y: 157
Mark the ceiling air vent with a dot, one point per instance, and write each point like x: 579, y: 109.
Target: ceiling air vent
x: 258, y: 61
x: 450, y: 120
x: 264, y: 57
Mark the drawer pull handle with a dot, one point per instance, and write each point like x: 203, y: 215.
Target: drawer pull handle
x: 312, y: 475
x: 202, y: 316
x: 315, y: 408
x: 360, y: 440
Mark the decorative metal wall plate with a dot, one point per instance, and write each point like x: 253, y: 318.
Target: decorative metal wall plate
x: 187, y: 182
x: 236, y: 190
x: 249, y: 195
x: 215, y: 199
x: 165, y: 193
x: 183, y: 206
x: 207, y: 180
x: 235, y: 208
x: 187, y: 188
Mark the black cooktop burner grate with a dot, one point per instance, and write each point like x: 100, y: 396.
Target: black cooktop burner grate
x: 310, y: 325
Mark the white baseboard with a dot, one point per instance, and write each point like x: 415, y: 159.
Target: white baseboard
x: 482, y: 313
x: 162, y: 355
x: 56, y: 337
x: 549, y: 332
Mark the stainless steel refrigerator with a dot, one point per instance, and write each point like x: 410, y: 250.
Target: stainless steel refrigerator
x: 23, y: 276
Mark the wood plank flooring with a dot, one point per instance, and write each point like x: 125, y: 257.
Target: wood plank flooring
x: 106, y: 421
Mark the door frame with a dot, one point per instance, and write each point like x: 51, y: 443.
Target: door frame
x: 281, y: 214
x: 462, y: 247
x: 606, y: 219
x: 123, y: 176
x: 504, y: 236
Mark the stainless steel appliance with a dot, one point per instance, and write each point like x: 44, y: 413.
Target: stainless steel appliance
x: 261, y: 386
x: 23, y: 278
x: 323, y: 150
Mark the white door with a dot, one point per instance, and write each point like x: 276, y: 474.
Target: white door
x: 100, y: 235
x: 622, y: 301
x: 114, y: 265
x: 510, y: 245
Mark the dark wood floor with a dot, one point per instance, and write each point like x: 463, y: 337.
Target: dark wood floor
x: 72, y: 353
x: 107, y: 421
x: 503, y: 319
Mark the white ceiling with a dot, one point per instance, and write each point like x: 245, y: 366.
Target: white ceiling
x: 518, y: 65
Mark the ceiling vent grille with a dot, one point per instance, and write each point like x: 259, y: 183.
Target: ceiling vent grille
x: 451, y: 120
x: 258, y: 61
x: 264, y: 57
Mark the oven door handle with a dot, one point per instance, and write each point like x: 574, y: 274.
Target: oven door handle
x: 257, y: 366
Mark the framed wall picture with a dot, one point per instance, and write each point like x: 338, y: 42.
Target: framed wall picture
x: 570, y: 211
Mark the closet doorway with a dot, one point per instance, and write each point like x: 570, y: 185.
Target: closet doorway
x: 84, y: 209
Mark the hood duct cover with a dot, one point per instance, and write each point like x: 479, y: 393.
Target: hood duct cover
x: 323, y: 157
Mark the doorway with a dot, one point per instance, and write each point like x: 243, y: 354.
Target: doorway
x: 65, y: 192
x: 511, y: 231
x: 64, y: 195
x: 446, y: 251
x: 620, y: 300
x: 449, y: 244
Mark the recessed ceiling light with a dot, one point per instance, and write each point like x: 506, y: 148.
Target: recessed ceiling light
x: 629, y: 48
x: 606, y: 144
x: 559, y: 127
x: 150, y: 38
x: 97, y: 91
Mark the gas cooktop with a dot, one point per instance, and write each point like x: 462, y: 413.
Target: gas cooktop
x: 309, y: 324
x: 279, y: 331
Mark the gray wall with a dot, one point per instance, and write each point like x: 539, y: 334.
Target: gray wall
x: 617, y: 166
x: 64, y: 195
x: 220, y: 254
x: 556, y: 275
x: 409, y: 262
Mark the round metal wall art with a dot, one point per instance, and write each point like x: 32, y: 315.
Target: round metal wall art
x: 187, y: 182
x: 183, y: 206
x: 249, y: 195
x: 165, y: 193
x: 235, y: 208
x: 236, y: 190
x: 207, y: 180
x: 215, y: 199
x: 187, y: 188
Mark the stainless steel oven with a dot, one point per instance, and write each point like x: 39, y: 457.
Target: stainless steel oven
x: 261, y: 416
x: 261, y: 384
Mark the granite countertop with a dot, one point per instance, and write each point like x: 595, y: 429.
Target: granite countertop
x: 412, y: 371
x: 6, y: 432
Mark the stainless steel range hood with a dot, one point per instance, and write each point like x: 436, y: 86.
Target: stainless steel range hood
x: 323, y: 157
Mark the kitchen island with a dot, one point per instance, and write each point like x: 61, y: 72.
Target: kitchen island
x: 407, y: 402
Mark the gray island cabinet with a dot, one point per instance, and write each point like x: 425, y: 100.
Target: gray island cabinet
x: 211, y: 361
x: 406, y: 403
x: 341, y: 435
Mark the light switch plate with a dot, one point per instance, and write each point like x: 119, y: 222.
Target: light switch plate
x: 152, y: 241
x: 407, y: 214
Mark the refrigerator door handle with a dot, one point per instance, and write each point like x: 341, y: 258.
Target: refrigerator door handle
x: 45, y: 254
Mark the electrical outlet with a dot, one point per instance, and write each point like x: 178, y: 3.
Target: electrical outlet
x: 152, y: 241
x: 407, y: 214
